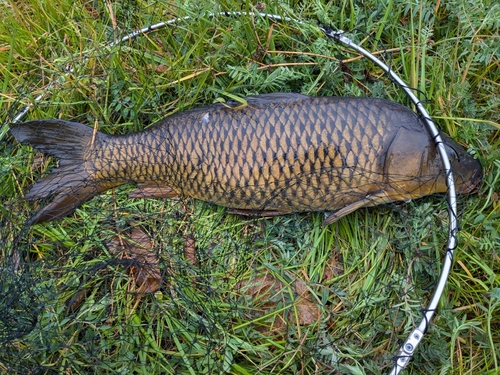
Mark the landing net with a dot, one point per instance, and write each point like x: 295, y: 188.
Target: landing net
x: 180, y: 286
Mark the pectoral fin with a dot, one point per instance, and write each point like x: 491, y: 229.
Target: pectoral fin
x: 153, y: 190
x: 374, y: 199
x: 269, y: 213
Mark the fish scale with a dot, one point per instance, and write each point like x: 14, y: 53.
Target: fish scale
x: 280, y: 153
x: 247, y: 156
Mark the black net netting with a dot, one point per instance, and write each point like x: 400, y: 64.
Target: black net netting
x: 176, y: 285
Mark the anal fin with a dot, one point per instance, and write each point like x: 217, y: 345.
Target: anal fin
x: 153, y: 190
x: 269, y: 213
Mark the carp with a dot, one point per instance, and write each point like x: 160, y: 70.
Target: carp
x: 280, y: 153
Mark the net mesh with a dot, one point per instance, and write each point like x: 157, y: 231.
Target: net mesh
x: 161, y: 289
x: 178, y: 285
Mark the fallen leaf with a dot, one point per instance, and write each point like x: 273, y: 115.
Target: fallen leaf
x: 260, y: 6
x: 307, y: 311
x: 144, y: 264
x: 40, y: 163
x: 267, y: 292
x: 76, y: 301
x: 145, y: 270
x: 190, y: 250
x: 333, y: 267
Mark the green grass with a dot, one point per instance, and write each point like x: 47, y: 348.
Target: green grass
x: 281, y: 295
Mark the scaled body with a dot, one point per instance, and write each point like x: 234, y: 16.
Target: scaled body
x: 282, y: 153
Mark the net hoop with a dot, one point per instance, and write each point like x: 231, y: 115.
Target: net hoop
x: 407, y: 349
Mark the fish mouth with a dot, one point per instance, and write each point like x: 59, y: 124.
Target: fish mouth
x: 471, y: 186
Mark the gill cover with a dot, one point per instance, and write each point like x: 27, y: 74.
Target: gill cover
x: 409, y: 164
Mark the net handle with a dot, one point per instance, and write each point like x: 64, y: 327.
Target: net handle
x: 408, y: 348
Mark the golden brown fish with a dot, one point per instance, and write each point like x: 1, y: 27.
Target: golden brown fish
x: 281, y: 153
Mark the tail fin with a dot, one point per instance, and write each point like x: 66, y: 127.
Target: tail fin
x: 70, y: 183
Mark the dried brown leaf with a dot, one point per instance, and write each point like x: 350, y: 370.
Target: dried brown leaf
x: 40, y: 162
x: 190, y: 250
x: 333, y: 267
x: 260, y: 6
x: 145, y: 271
x: 144, y: 263
x: 76, y: 301
x: 307, y: 311
x: 161, y: 68
x: 267, y: 291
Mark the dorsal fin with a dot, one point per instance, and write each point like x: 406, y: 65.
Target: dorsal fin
x: 275, y: 97
x: 253, y: 101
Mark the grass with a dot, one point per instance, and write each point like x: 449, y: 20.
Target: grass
x: 283, y: 295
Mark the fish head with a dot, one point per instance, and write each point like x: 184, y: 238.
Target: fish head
x: 467, y: 171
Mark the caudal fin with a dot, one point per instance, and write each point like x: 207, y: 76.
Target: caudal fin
x: 70, y: 184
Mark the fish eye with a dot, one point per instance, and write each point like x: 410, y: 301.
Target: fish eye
x: 452, y: 155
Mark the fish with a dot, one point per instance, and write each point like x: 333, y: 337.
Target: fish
x: 280, y: 153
